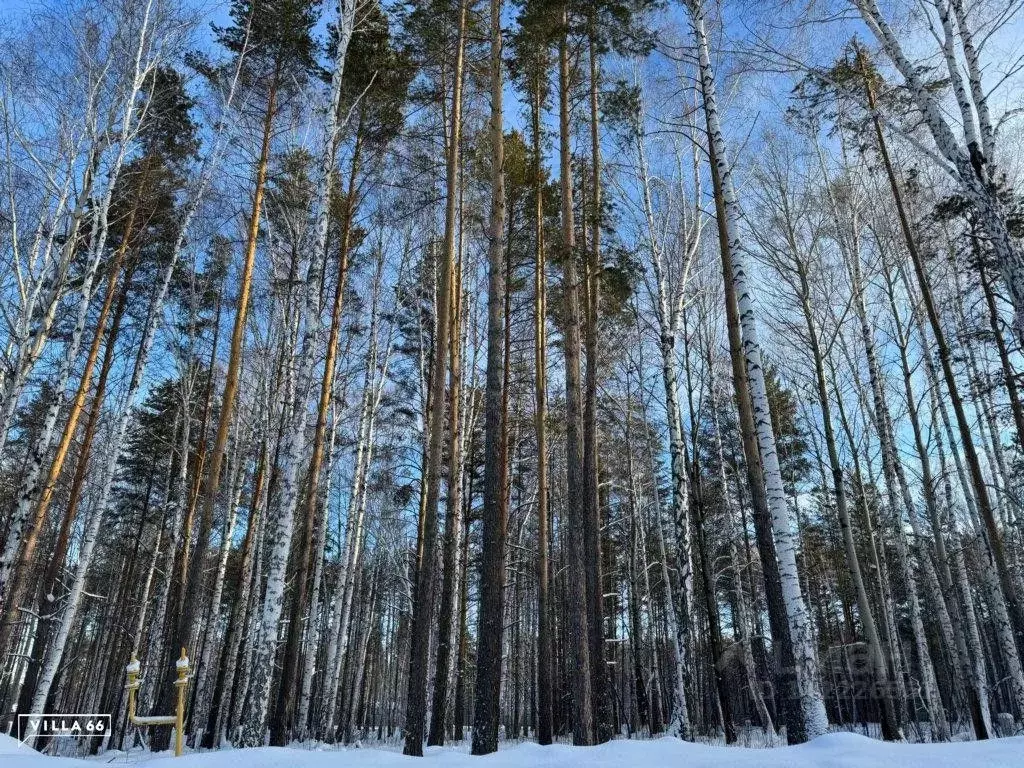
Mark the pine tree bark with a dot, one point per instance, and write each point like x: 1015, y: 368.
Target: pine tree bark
x: 453, y: 522
x: 284, y: 718
x: 221, y: 704
x: 423, y: 598
x: 1009, y: 373
x: 19, y: 588
x: 966, y: 165
x: 352, y: 551
x: 50, y: 583
x: 575, y: 526
x: 545, y: 723
x: 808, y: 689
x: 940, y: 585
x: 55, y: 651
x: 30, y: 487
x: 495, y: 511
x: 599, y: 675
x: 191, y: 590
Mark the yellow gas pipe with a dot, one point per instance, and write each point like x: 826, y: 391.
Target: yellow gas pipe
x: 178, y: 718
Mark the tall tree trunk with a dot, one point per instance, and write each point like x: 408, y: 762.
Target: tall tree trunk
x: 576, y: 572
x: 668, y: 322
x: 966, y: 167
x: 679, y: 718
x: 495, y: 512
x: 544, y: 633
x: 940, y: 584
x: 978, y: 484
x: 192, y: 587
x: 19, y: 586
x: 453, y: 519
x: 423, y: 599
x: 30, y: 487
x: 1009, y: 373
x: 352, y: 551
x: 310, y: 321
x: 879, y: 670
x: 745, y: 631
x: 284, y: 718
x: 221, y: 704
x: 49, y: 586
x: 37, y: 318
x: 55, y: 651
x: 815, y: 719
x: 599, y: 677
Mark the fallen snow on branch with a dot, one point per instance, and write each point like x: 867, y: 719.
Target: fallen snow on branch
x: 834, y: 750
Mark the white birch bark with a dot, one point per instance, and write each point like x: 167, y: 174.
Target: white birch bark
x: 312, y: 642
x: 679, y: 719
x: 41, y: 298
x: 972, y: 655
x: 783, y: 522
x: 232, y: 704
x: 39, y: 306
x: 295, y: 438
x: 55, y: 651
x: 360, y: 662
x: 1000, y: 619
x: 893, y: 485
x: 140, y: 624
x: 978, y: 95
x: 956, y: 79
x: 743, y: 614
x: 669, y: 308
x: 174, y: 515
x: 373, y: 389
x: 30, y: 487
x: 994, y: 596
x: 205, y: 675
x: 966, y: 166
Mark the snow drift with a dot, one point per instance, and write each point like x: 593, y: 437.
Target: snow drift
x: 835, y: 750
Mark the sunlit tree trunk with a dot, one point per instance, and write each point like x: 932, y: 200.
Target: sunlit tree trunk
x: 31, y: 485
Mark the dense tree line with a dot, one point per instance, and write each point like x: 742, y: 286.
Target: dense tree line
x: 448, y: 369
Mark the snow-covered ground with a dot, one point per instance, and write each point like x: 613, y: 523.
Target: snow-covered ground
x: 836, y: 750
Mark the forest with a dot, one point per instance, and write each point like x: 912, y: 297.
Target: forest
x: 473, y: 372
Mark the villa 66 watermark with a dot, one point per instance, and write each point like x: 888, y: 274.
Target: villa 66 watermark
x: 33, y: 726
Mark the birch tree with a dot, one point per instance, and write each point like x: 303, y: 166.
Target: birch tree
x: 815, y: 717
